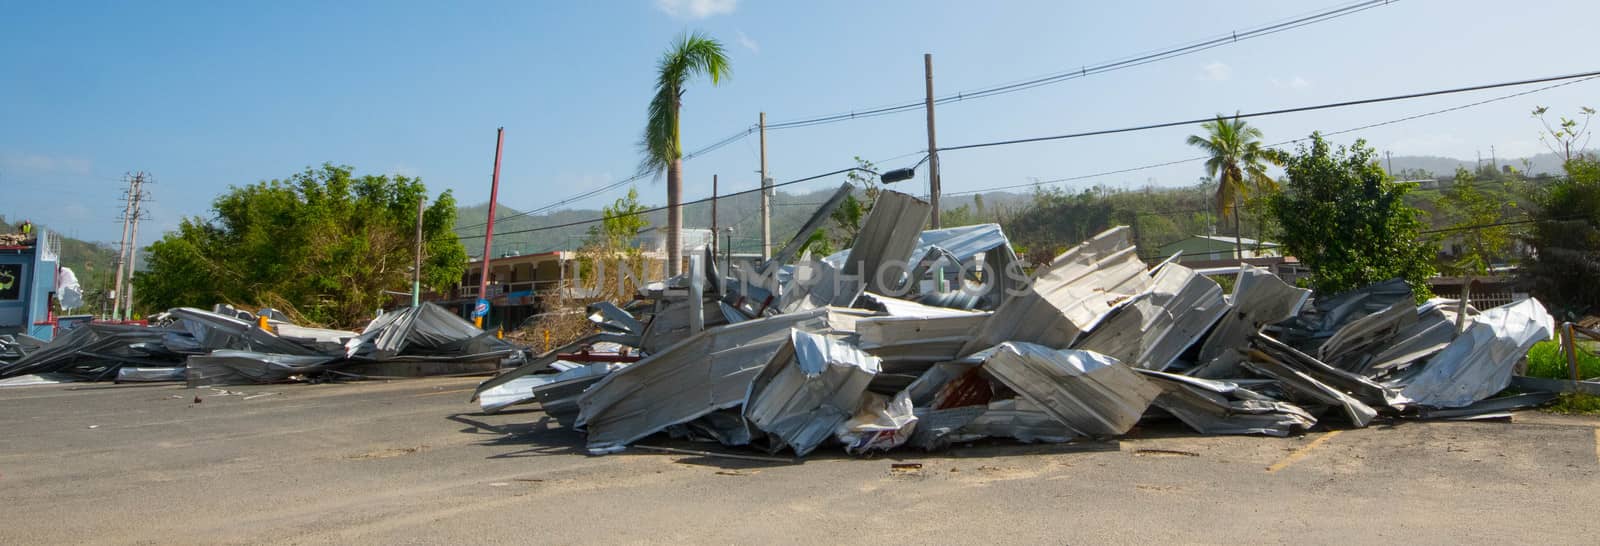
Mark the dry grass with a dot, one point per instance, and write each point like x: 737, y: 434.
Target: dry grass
x: 566, y: 319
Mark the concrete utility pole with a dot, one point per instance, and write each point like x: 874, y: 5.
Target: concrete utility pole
x: 122, y: 248
x: 416, y: 268
x: 122, y: 295
x: 133, y: 241
x: 488, y: 233
x: 766, y: 195
x: 933, y: 144
x: 713, y: 217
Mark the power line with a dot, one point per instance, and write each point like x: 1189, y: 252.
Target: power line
x: 1579, y: 77
x: 1573, y: 79
x: 614, y: 185
x: 1099, y: 68
x: 662, y: 208
x: 1277, y: 112
x: 1012, y: 87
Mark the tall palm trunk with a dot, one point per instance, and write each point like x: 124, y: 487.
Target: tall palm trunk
x: 674, y: 216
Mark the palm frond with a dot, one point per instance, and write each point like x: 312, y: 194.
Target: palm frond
x: 692, y: 54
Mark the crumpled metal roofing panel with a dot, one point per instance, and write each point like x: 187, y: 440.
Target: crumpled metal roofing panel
x: 1259, y: 298
x: 1479, y: 362
x: 1090, y: 393
x: 879, y: 258
x: 1069, y: 297
x: 1152, y: 329
x: 808, y: 389
x: 706, y: 372
x: 1222, y: 407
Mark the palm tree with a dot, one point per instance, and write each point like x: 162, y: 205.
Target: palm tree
x: 692, y: 54
x: 1238, y: 163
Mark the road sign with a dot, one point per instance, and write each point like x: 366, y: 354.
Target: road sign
x: 481, y: 309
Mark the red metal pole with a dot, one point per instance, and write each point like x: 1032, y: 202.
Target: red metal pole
x: 488, y: 234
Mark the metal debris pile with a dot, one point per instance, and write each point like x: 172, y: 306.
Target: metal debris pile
x: 227, y: 346
x: 803, y: 355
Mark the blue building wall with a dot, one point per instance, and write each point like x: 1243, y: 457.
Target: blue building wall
x: 27, y: 277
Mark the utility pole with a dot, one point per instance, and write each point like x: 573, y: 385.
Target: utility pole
x: 488, y: 233
x: 122, y: 296
x: 766, y: 195
x: 122, y: 249
x: 1389, y: 157
x: 133, y: 241
x: 416, y: 268
x: 933, y: 145
x: 713, y: 218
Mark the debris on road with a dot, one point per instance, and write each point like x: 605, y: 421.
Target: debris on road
x: 926, y: 339
x: 228, y: 347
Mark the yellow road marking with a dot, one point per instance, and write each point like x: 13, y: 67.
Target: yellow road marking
x: 1306, y: 450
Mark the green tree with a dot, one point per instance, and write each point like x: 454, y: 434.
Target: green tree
x: 323, y: 244
x: 1343, y: 217
x: 692, y: 54
x: 1237, y: 161
x: 1566, y: 239
x: 621, y: 223
x: 1472, y: 215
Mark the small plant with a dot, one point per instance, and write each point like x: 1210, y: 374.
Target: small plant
x: 1546, y: 360
x: 1575, y: 403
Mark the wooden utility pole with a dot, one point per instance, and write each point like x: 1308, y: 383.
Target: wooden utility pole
x: 933, y: 144
x: 488, y: 233
x: 416, y: 268
x: 766, y: 195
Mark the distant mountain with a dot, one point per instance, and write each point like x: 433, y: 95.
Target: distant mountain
x: 1445, y: 167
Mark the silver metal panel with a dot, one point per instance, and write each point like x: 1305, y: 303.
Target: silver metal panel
x: 1090, y: 393
x: 808, y: 389
x: 1259, y: 298
x: 706, y: 372
x: 879, y: 257
x: 1069, y: 297
x: 1479, y: 362
x: 1152, y: 329
x: 1221, y: 407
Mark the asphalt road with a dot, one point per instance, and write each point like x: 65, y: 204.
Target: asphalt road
x: 410, y: 462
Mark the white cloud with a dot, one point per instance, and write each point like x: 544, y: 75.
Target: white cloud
x: 1216, y: 71
x: 44, y: 164
x: 696, y: 9
x: 1296, y: 83
x: 748, y: 43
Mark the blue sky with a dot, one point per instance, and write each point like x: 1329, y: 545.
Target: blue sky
x: 204, y: 95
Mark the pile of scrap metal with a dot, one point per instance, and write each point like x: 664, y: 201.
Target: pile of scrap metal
x: 803, y: 355
x: 227, y: 346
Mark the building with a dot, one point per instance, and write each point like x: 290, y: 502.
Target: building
x: 28, y: 267
x: 1207, y: 248
x: 519, y: 286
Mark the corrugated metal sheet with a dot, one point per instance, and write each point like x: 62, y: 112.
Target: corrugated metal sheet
x: 879, y: 258
x: 1478, y: 364
x: 1152, y: 329
x: 709, y: 371
x: 1090, y: 393
x: 1259, y: 298
x: 810, y: 387
x: 1069, y: 297
x: 1222, y: 407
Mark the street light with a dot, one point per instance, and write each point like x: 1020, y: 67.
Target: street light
x: 901, y: 175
